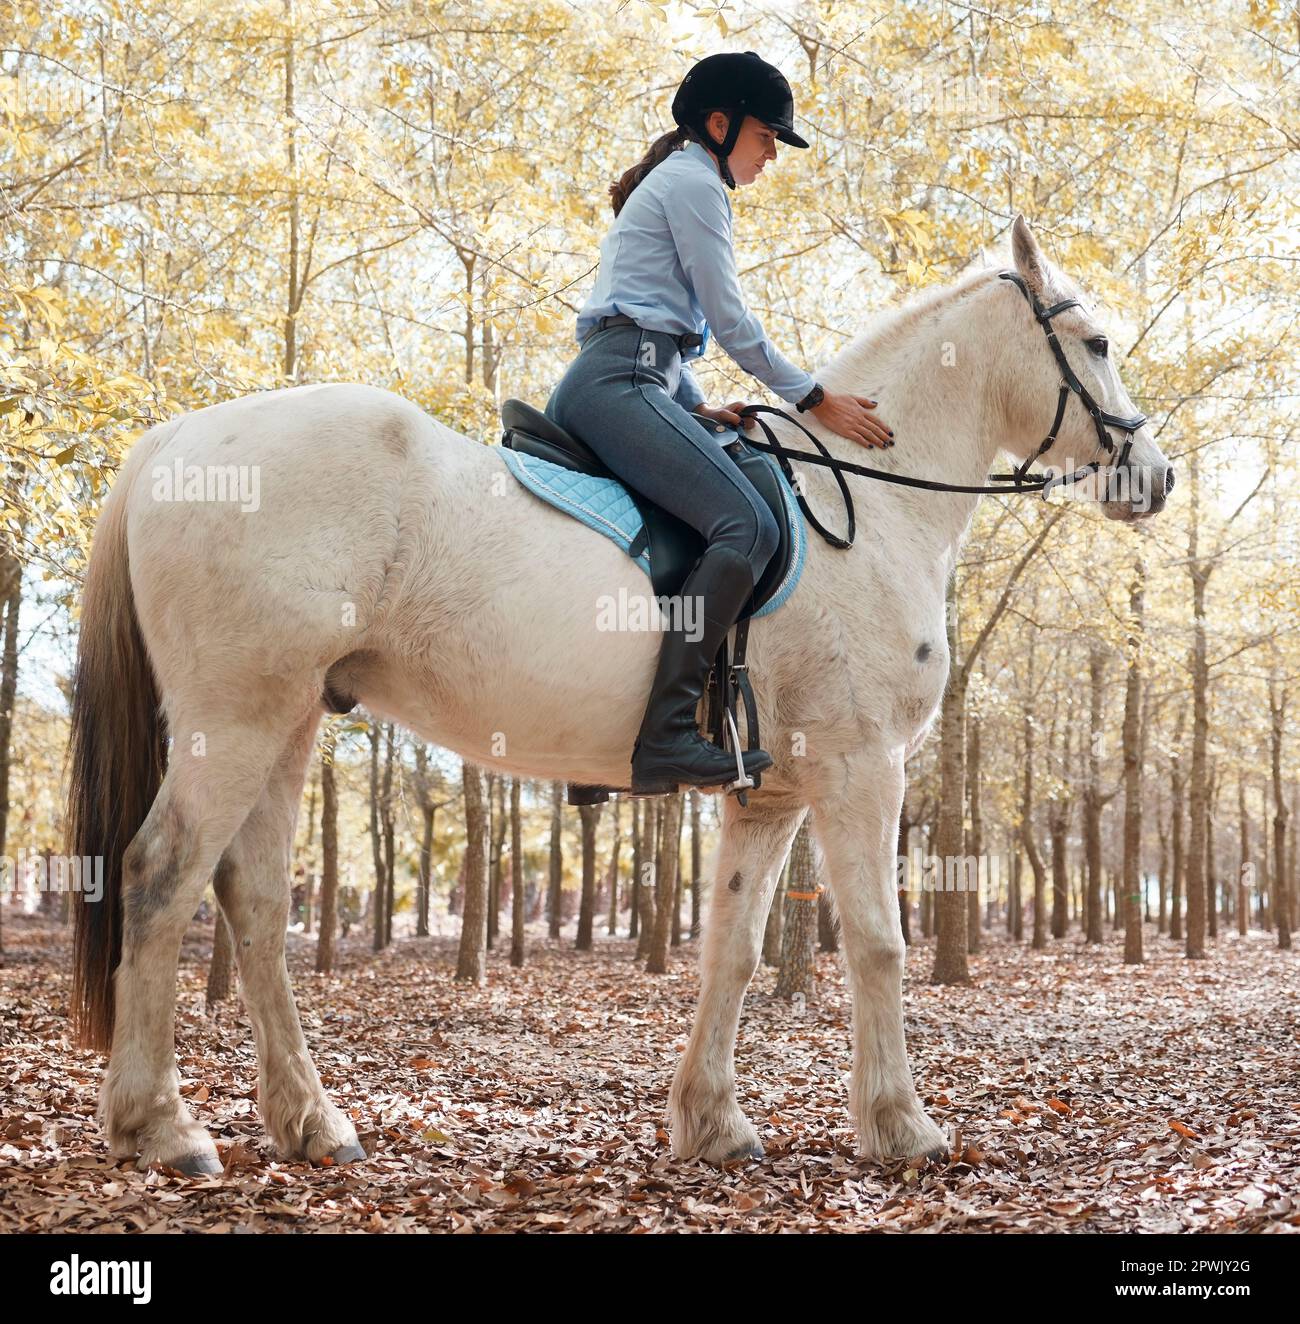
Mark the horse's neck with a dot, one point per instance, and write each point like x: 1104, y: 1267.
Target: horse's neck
x: 932, y: 381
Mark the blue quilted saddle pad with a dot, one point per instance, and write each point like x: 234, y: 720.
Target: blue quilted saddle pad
x: 603, y: 504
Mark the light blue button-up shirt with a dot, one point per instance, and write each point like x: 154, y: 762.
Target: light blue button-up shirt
x: 668, y: 263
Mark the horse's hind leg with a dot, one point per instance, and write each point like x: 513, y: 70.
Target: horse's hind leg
x: 215, y: 773
x: 706, y: 1119
x: 252, y: 884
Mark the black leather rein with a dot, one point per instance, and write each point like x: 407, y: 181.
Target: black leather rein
x: 1019, y: 481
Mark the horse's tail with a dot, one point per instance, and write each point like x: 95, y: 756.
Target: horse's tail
x: 118, y: 749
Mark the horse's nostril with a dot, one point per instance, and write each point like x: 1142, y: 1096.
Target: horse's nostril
x: 1169, y: 479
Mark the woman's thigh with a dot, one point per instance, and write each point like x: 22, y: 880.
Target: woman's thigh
x: 615, y: 396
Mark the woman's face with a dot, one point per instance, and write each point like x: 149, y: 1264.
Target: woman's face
x: 755, y: 146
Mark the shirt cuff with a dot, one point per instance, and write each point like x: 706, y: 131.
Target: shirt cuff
x: 797, y: 395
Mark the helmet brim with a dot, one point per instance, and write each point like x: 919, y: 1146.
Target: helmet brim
x: 786, y: 135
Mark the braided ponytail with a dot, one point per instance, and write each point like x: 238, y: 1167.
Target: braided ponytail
x: 660, y: 150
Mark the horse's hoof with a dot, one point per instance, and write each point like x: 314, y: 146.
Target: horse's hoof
x: 749, y: 1151
x: 198, y: 1165
x: 349, y: 1154
x: 937, y: 1155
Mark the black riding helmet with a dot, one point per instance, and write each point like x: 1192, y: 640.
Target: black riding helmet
x: 741, y: 85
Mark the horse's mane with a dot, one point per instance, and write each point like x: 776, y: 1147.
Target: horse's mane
x: 891, y: 323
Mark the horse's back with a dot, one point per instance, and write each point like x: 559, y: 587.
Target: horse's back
x: 286, y: 508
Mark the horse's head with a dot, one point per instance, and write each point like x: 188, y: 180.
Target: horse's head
x: 1062, y: 369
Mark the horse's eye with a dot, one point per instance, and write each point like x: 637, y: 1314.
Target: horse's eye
x: 1099, y: 345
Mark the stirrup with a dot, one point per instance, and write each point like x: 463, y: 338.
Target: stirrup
x: 744, y: 782
x: 729, y: 682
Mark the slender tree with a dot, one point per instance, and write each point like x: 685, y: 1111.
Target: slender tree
x: 553, y: 897
x: 471, y: 963
x: 329, y: 857
x: 590, y: 815
x: 221, y: 968
x: 665, y: 889
x: 797, y: 968
x: 516, y: 878
x: 695, y: 864
x: 612, y: 927
x: 1132, y: 880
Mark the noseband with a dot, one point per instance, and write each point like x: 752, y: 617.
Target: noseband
x: 1101, y: 420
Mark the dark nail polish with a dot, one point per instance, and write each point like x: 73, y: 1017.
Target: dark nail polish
x: 890, y: 431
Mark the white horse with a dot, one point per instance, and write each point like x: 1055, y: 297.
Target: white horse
x: 387, y: 560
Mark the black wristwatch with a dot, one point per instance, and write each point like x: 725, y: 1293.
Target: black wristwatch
x: 812, y: 399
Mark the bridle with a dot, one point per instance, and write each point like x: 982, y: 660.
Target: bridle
x: 1101, y: 420
x: 1018, y: 481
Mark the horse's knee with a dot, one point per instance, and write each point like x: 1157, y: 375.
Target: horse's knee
x: 153, y: 868
x: 247, y: 902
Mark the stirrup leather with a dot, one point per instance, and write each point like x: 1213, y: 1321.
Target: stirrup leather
x: 725, y: 684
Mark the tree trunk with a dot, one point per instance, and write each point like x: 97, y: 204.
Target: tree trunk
x: 517, y: 901
x: 1277, y: 703
x: 1131, y: 889
x: 1244, y: 870
x: 471, y: 963
x: 329, y: 858
x: 428, y: 814
x: 590, y: 815
x: 378, y: 901
x: 796, y: 975
x: 638, y: 866
x: 1092, y: 797
x: 645, y: 893
x: 557, y: 860
x: 975, y: 846
x: 222, y: 966
x: 425, y: 882
x: 612, y: 927
x: 1265, y: 864
x: 679, y: 889
x: 11, y: 591
x: 1197, y: 796
x: 499, y: 824
x: 1058, y: 826
x: 695, y: 865
x: 1039, y: 940
x: 294, y: 293
x: 390, y: 828
x: 667, y: 865
x: 1177, y: 781
x: 1016, y: 904
x: 1291, y: 867
x: 309, y: 873
x: 1211, y: 873
x: 1162, y: 919
x: 828, y: 936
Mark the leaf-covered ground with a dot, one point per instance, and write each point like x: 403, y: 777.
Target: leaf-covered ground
x: 1080, y: 1095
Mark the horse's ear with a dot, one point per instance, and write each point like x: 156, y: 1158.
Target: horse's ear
x: 1029, y: 258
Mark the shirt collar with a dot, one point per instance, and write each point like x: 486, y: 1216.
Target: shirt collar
x: 707, y: 159
x: 701, y: 154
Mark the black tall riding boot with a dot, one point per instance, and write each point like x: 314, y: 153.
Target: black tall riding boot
x: 670, y: 749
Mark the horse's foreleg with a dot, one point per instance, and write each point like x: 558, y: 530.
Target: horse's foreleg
x: 706, y: 1119
x: 210, y: 786
x: 858, y: 832
x: 252, y: 884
